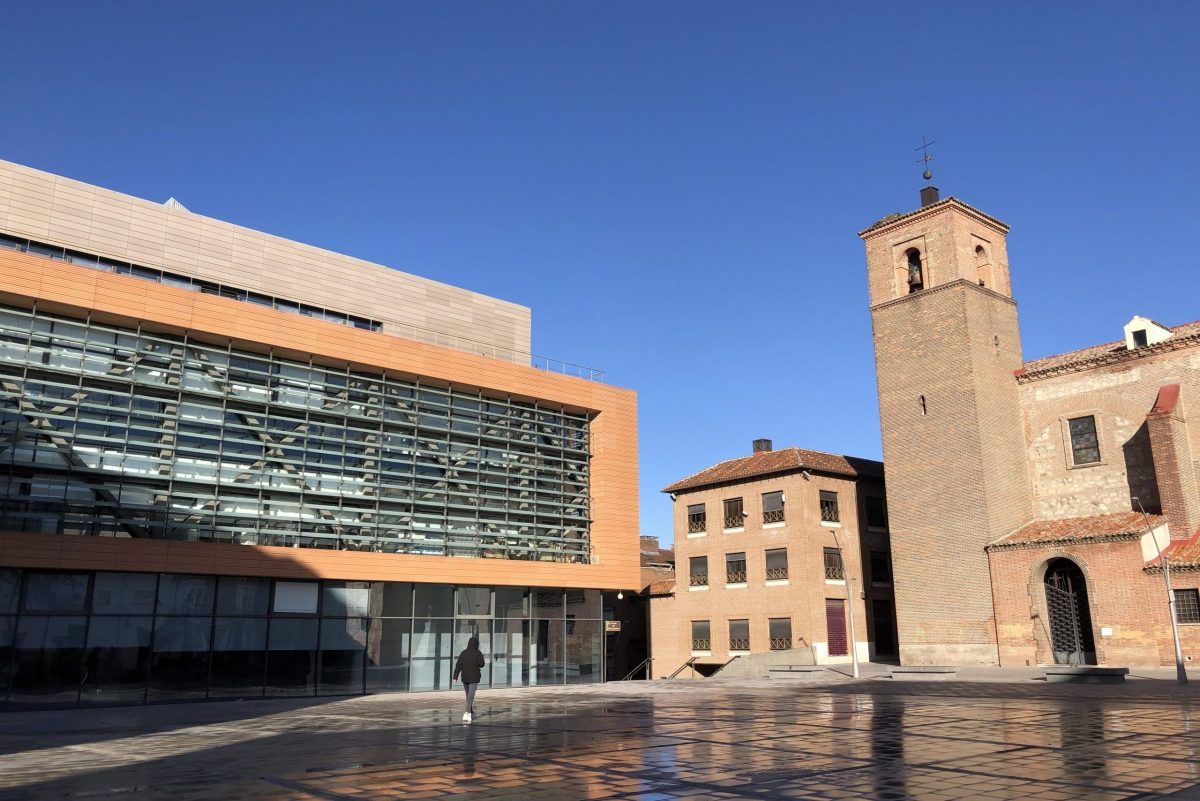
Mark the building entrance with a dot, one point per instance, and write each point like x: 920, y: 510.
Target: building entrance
x: 1070, y: 622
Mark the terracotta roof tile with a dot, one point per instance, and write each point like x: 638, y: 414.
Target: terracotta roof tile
x: 1109, y: 351
x: 662, y: 587
x: 1079, y: 529
x: 778, y: 461
x: 1184, y: 553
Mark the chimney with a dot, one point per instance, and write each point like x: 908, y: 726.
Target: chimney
x: 762, y: 445
x: 929, y: 195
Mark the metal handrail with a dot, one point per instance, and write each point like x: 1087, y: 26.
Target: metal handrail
x: 683, y: 667
x: 774, y: 516
x: 739, y: 643
x: 835, y: 572
x: 701, y: 644
x: 698, y: 580
x: 735, y: 521
x: 645, y: 663
x: 781, y: 643
x: 735, y: 576
x: 695, y: 526
x: 776, y: 573
x: 727, y: 664
x: 829, y: 512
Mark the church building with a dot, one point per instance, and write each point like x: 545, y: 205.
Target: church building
x: 1031, y: 503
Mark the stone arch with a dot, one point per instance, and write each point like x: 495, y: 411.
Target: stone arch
x: 911, y: 255
x: 1038, y: 609
x: 983, y: 268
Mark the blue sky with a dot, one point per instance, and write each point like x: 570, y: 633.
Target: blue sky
x: 673, y: 187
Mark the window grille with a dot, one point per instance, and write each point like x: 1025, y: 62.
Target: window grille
x: 1187, y: 606
x: 834, y: 570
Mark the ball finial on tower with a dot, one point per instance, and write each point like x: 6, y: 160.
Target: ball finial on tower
x: 926, y: 157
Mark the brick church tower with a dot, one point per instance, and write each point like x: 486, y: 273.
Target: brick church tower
x: 946, y: 345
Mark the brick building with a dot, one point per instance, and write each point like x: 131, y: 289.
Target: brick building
x: 1013, y: 486
x: 764, y: 547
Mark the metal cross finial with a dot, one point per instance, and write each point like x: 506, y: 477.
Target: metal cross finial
x: 926, y: 157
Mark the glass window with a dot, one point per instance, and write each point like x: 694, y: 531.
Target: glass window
x: 772, y: 504
x: 734, y: 518
x: 124, y: 593
x: 881, y: 567
x: 735, y: 568
x: 833, y: 565
x: 512, y: 602
x: 432, y: 655
x: 548, y: 604
x: 877, y: 512
x: 186, y: 595
x: 464, y: 630
x: 55, y: 592
x: 777, y: 564
x: 548, y: 652
x: 238, y: 657
x: 10, y: 589
x: 291, y: 656
x: 47, y: 666
x: 1085, y: 445
x: 179, y: 662
x: 1187, y: 606
x: 296, y: 597
x: 698, y: 571
x: 584, y: 604
x: 701, y: 640
x: 739, y: 635
x: 346, y: 599
x: 474, y: 602
x: 510, y: 653
x: 387, y: 664
x: 780, y: 630
x: 829, y: 507
x: 697, y: 518
x: 584, y: 655
x: 434, y: 600
x: 243, y: 596
x: 343, y: 644
x: 116, y: 661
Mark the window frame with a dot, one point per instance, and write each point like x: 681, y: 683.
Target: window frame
x: 740, y: 644
x: 777, y: 643
x: 735, y: 575
x: 1192, y: 605
x: 776, y: 576
x: 697, y: 579
x: 887, y: 560
x: 697, y: 522
x: 738, y: 517
x: 1069, y: 440
x: 702, y: 644
x: 834, y: 571
x: 829, y: 507
x: 777, y: 512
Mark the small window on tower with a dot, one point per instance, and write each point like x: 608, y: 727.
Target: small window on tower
x: 921, y: 402
x: 983, y: 267
x: 916, y: 281
x: 1085, y: 444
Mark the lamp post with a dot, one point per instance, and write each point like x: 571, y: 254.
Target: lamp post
x: 1180, y: 670
x: 850, y: 608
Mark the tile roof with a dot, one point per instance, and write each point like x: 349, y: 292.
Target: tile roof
x: 946, y: 201
x: 1111, y: 351
x: 779, y: 461
x: 1095, y: 528
x: 661, y: 587
x: 1185, y: 554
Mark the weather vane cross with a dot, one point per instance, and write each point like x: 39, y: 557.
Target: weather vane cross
x: 926, y: 157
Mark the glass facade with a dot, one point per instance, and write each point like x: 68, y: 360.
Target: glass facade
x: 128, y: 432
x: 84, y: 639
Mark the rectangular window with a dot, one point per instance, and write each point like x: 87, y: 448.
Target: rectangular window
x: 698, y: 571
x: 1139, y: 338
x: 1085, y: 445
x: 701, y: 639
x: 780, y: 629
x: 697, y: 518
x: 777, y: 566
x: 739, y: 635
x: 735, y: 568
x: 881, y: 567
x: 734, y: 518
x: 1187, y: 606
x: 829, y: 507
x: 877, y: 512
x: 833, y: 565
x: 772, y: 504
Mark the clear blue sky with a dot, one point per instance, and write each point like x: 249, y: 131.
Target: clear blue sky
x: 673, y: 187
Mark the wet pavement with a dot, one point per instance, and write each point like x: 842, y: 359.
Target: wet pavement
x: 757, y: 739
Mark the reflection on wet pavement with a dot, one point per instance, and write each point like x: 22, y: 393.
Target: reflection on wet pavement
x: 655, y: 742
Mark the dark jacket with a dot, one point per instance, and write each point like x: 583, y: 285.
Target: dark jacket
x: 470, y: 662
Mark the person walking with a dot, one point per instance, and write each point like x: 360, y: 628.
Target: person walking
x: 469, y: 666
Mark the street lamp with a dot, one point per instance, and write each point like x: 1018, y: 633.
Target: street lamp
x: 1180, y: 670
x: 850, y: 607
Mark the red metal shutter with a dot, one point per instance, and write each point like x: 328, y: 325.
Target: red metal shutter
x: 835, y: 625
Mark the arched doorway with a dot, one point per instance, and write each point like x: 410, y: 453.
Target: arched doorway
x: 1070, y: 620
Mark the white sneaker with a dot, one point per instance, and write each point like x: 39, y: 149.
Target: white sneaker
x: 468, y: 717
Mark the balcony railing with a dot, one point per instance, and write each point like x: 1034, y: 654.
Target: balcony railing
x: 774, y: 516
x: 834, y: 572
x: 698, y: 580
x: 735, y: 521
x: 739, y: 643
x: 776, y: 573
x: 829, y: 512
x: 701, y: 645
x: 696, y: 524
x: 781, y: 643
x: 735, y: 576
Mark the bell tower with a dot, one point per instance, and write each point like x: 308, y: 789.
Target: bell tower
x: 947, y: 344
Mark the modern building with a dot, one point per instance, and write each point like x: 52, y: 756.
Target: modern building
x: 765, y: 545
x: 1016, y: 488
x: 233, y: 466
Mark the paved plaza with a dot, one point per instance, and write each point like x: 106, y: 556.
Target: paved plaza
x: 715, y: 739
